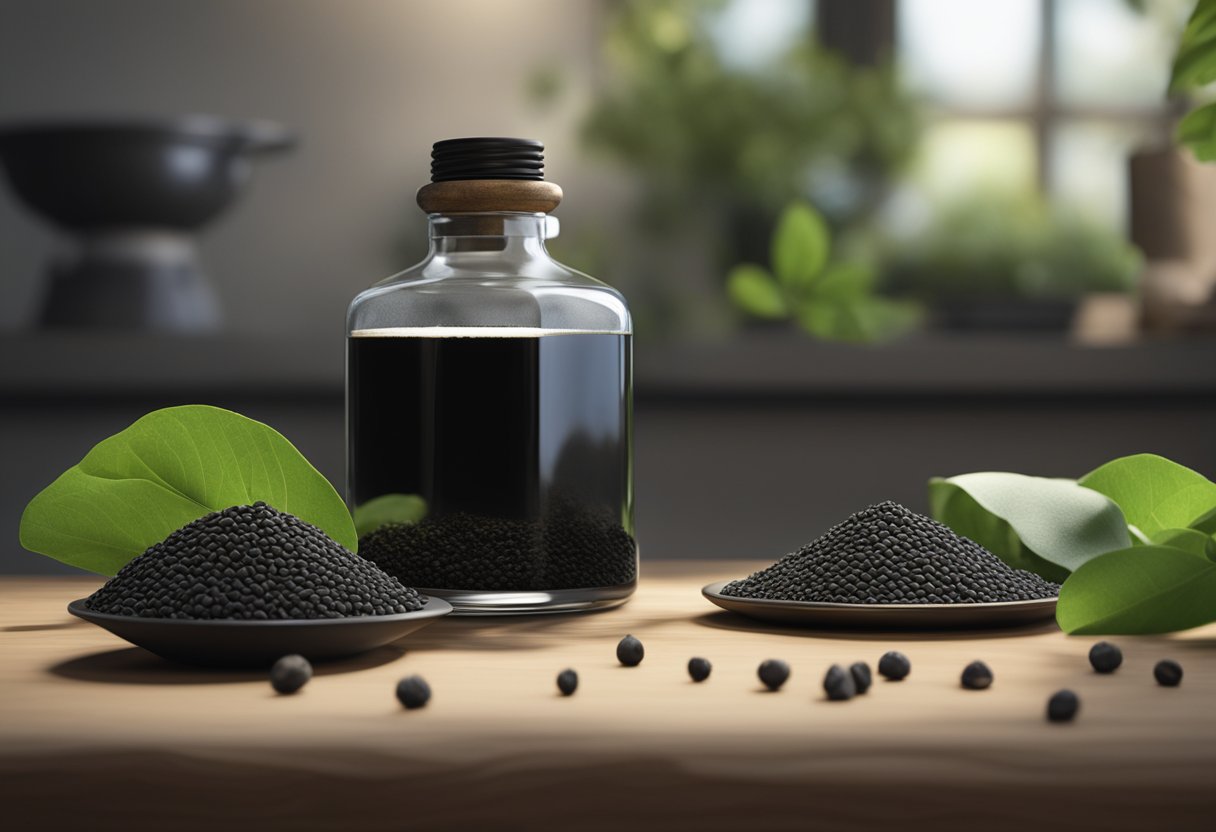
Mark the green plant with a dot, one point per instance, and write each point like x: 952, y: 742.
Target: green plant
x: 1194, y: 68
x: 1132, y: 540
x: 830, y: 300
x: 674, y: 110
x: 992, y: 245
x: 168, y: 469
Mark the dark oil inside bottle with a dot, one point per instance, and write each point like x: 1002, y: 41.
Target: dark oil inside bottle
x: 518, y: 450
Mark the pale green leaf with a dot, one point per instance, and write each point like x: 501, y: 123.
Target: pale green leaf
x: 1145, y: 589
x: 753, y: 290
x: 166, y: 470
x: 1153, y: 492
x: 388, y: 508
x: 1029, y: 521
x: 1195, y: 542
x: 801, y: 245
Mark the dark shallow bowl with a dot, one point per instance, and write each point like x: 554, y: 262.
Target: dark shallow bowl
x: 885, y: 616
x: 133, y: 173
x: 219, y: 643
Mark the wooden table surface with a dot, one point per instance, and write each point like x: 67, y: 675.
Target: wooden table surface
x: 101, y: 734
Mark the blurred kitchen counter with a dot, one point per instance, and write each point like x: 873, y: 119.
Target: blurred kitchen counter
x: 93, y: 728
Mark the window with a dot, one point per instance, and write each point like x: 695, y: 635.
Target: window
x: 1039, y: 95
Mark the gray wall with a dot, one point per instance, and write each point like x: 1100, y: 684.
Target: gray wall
x: 368, y: 83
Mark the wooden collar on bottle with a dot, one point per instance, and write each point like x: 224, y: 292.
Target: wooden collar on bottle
x: 470, y: 196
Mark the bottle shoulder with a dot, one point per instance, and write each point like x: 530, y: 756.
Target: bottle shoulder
x: 468, y: 292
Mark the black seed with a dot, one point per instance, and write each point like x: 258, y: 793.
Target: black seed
x: 699, y: 668
x: 1105, y: 657
x: 1062, y: 706
x: 977, y: 676
x: 567, y: 682
x: 290, y: 673
x: 773, y: 673
x: 629, y: 651
x: 862, y: 679
x: 1168, y: 673
x: 571, y: 546
x: 413, y: 692
x: 838, y: 684
x: 250, y: 562
x: 894, y: 666
x: 886, y: 554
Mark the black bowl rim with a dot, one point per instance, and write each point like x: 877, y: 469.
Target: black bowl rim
x: 714, y: 590
x: 435, y: 608
x: 253, y: 134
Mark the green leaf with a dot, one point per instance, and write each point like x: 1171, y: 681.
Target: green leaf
x: 845, y: 280
x: 168, y: 469
x: 1205, y: 523
x: 388, y: 508
x: 801, y: 245
x: 754, y: 291
x: 1195, y: 64
x: 859, y: 320
x: 1197, y: 130
x: 1197, y: 543
x: 1145, y: 589
x: 1048, y: 526
x: 1154, y: 493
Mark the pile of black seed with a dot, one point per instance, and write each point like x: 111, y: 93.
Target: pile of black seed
x: 886, y: 554
x: 251, y: 562
x: 572, y: 547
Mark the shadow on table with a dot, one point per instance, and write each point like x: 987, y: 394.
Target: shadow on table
x: 66, y: 624
x: 741, y: 623
x: 136, y: 666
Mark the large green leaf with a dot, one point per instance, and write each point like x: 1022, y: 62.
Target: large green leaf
x: 164, y: 471
x: 1048, y: 526
x: 388, y: 508
x: 1154, y: 493
x: 1145, y: 589
x: 754, y: 291
x: 801, y: 245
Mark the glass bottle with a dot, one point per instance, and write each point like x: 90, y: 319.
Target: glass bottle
x: 489, y: 403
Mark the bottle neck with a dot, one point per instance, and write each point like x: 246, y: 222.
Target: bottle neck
x: 461, y: 236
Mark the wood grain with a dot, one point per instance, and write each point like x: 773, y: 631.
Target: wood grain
x: 92, y: 726
x: 478, y: 195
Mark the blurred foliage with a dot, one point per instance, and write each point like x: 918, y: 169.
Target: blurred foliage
x: 831, y: 300
x: 696, y: 128
x: 1001, y: 246
x: 1195, y: 68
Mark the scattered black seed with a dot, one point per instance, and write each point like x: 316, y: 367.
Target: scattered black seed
x: 572, y: 546
x: 630, y: 652
x: 1062, y: 706
x: 699, y: 668
x: 251, y: 562
x: 413, y: 692
x: 977, y: 676
x: 567, y: 682
x: 773, y: 673
x: 1168, y: 673
x: 862, y: 679
x: 838, y: 684
x: 1105, y: 657
x: 894, y: 665
x: 886, y: 554
x: 290, y: 673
